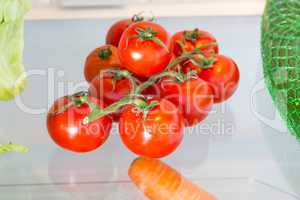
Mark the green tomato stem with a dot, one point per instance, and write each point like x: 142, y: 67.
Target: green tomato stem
x: 132, y: 97
x: 105, y: 53
x: 119, y: 74
x: 152, y: 80
x: 98, y: 112
x: 187, y: 54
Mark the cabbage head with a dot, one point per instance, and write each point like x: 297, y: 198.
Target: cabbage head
x: 12, y: 73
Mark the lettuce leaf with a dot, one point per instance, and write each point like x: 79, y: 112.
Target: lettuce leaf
x: 12, y: 73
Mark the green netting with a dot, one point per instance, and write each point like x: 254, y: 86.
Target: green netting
x: 281, y: 58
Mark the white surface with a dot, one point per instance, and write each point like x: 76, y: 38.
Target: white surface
x: 159, y: 8
x: 241, y: 152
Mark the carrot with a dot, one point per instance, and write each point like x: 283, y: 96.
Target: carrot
x: 159, y: 181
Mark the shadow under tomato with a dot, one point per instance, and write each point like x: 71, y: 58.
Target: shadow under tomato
x: 192, y: 153
x: 220, y: 124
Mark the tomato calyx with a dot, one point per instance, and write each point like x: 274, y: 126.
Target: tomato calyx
x: 188, y: 54
x: 78, y: 99
x: 140, y: 17
x: 144, y: 107
x: 198, y: 59
x: 182, y: 77
x: 191, y: 35
x: 146, y: 34
x: 149, y: 34
x: 105, y: 53
x: 201, y: 61
x: 137, y: 18
x: 118, y: 74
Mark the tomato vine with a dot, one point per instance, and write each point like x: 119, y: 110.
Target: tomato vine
x: 97, y: 112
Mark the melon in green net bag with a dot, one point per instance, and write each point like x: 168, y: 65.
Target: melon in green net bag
x: 281, y: 58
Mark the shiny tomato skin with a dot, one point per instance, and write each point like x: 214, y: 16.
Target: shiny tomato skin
x: 94, y: 64
x: 205, y: 38
x: 164, y: 124
x: 115, y: 32
x: 193, y: 97
x: 68, y: 131
x: 144, y: 58
x: 188, y: 66
x: 103, y: 89
x: 152, y: 91
x: 223, y: 77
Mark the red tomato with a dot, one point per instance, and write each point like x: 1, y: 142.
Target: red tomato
x: 116, y: 30
x: 193, y: 97
x: 138, y: 51
x: 189, y: 40
x: 67, y: 128
x: 162, y: 134
x: 110, y: 91
x: 151, y: 91
x: 223, y: 77
x: 188, y: 66
x: 101, y: 58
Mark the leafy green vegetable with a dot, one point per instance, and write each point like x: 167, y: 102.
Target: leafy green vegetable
x: 13, y: 148
x: 12, y: 74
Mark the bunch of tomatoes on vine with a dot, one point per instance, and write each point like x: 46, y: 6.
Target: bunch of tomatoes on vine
x: 150, y: 83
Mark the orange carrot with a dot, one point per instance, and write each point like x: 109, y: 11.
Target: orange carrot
x: 159, y: 181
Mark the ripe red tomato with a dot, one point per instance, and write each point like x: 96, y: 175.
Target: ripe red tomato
x: 116, y: 30
x: 144, y: 49
x: 152, y: 91
x: 188, y: 41
x: 67, y: 130
x: 101, y: 58
x: 109, y: 90
x: 191, y: 40
x: 223, y: 77
x: 193, y: 97
x: 162, y: 134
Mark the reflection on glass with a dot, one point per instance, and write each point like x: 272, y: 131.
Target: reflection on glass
x: 159, y: 181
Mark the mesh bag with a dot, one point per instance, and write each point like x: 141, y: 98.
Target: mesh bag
x: 281, y: 58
